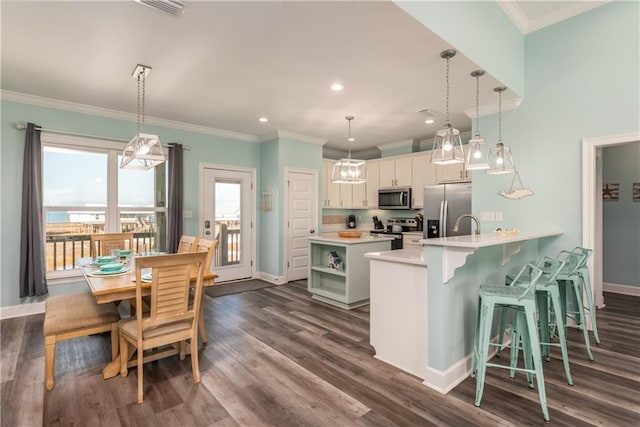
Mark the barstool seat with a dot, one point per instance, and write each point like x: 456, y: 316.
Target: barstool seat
x: 520, y: 294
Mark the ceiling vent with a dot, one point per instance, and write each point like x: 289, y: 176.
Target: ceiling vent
x: 174, y: 7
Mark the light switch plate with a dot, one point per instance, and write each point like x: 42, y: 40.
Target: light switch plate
x: 487, y: 216
x: 498, y: 216
x: 187, y: 214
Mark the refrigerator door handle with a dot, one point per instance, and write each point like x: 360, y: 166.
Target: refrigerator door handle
x: 441, y: 219
x: 445, y: 214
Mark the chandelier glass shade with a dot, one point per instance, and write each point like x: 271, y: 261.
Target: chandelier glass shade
x: 500, y: 158
x: 447, y: 144
x: 144, y: 151
x: 476, y: 149
x: 348, y: 170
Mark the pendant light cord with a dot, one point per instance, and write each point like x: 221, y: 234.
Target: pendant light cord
x: 448, y: 120
x: 139, y: 125
x: 500, y: 117
x: 477, y: 106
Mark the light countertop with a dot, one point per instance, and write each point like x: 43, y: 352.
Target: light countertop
x: 475, y: 241
x: 334, y: 238
x: 413, y: 256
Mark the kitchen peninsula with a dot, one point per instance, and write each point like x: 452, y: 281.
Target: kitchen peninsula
x: 424, y: 301
x: 338, y: 270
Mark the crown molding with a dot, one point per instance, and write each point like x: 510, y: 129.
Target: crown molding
x: 526, y: 25
x: 403, y: 143
x: 280, y: 133
x: 515, y: 14
x: 570, y: 10
x: 57, y: 104
x: 485, y: 110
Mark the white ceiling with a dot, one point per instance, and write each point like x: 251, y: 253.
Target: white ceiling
x: 224, y: 64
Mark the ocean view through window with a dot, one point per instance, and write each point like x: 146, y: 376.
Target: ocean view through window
x: 85, y: 192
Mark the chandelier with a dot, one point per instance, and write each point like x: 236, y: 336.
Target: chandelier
x: 476, y: 157
x: 447, y: 144
x: 348, y: 170
x: 500, y: 158
x: 144, y: 151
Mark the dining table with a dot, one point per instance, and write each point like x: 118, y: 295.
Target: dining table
x: 121, y: 287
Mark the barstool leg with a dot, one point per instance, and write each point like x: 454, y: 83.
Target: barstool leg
x: 516, y: 337
x: 555, y: 301
x: 580, y: 317
x: 584, y: 273
x: 476, y: 342
x: 530, y: 313
x: 526, y: 346
x: 485, y: 337
x: 543, y: 322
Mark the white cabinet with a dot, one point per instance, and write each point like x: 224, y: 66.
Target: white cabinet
x: 452, y: 173
x: 395, y: 172
x: 424, y: 173
x: 334, y: 195
x: 365, y: 196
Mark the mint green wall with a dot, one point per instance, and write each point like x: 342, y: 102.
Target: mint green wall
x: 277, y: 155
x: 270, y: 223
x: 204, y: 148
x: 481, y: 31
x: 581, y: 81
x: 621, y: 218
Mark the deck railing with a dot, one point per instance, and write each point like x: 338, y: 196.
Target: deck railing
x: 62, y: 250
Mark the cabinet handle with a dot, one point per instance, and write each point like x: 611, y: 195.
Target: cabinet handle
x: 340, y: 202
x: 460, y: 174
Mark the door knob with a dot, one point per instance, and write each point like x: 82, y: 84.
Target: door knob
x: 312, y: 231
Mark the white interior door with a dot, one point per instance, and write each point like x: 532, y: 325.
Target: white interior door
x: 228, y: 217
x: 302, y: 221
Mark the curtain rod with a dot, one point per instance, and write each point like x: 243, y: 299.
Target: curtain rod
x: 22, y: 126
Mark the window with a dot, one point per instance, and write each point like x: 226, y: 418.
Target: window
x: 85, y: 192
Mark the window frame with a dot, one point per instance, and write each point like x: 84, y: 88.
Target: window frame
x: 112, y: 210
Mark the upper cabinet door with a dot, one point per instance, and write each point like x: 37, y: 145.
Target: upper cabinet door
x: 330, y: 190
x: 424, y: 173
x: 387, y: 173
x: 403, y: 168
x: 395, y: 172
x: 373, y: 184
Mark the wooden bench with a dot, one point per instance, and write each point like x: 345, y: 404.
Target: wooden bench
x: 72, y: 316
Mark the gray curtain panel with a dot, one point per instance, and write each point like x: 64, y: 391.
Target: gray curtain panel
x: 176, y: 190
x: 33, y: 279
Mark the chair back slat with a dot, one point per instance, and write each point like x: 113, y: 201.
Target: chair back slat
x: 208, y: 246
x: 550, y: 267
x: 527, y: 279
x: 101, y: 244
x: 187, y: 244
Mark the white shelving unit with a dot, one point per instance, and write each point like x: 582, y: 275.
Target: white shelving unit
x: 347, y: 287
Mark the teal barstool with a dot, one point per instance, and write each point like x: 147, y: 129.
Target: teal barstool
x: 519, y: 294
x: 546, y: 288
x: 576, y: 273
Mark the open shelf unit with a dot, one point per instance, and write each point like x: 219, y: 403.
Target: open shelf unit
x: 347, y: 287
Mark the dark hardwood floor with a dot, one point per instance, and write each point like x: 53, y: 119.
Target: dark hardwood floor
x: 275, y: 357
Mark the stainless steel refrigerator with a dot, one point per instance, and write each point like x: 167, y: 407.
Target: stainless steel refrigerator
x: 443, y: 204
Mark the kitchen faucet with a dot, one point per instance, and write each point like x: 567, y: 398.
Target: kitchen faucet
x: 455, y: 227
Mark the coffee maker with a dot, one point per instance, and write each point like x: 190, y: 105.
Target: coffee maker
x: 351, y: 221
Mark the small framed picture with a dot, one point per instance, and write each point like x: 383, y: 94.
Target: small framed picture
x: 636, y: 191
x: 611, y: 191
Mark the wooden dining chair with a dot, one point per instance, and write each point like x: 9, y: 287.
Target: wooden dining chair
x: 171, y: 319
x: 208, y: 246
x: 101, y: 244
x: 187, y: 244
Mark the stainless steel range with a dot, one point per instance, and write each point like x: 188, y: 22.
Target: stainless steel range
x: 395, y: 228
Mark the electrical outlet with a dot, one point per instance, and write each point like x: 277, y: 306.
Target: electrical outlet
x: 187, y: 214
x: 498, y: 216
x: 487, y: 216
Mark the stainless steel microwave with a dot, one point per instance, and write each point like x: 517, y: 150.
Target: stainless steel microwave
x: 394, y: 198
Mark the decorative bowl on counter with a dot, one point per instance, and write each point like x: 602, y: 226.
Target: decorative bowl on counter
x: 351, y: 234
x: 507, y: 232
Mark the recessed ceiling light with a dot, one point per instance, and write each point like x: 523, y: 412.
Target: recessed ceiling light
x: 263, y: 119
x: 429, y: 121
x: 337, y: 87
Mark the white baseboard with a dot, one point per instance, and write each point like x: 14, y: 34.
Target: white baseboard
x: 444, y: 382
x: 276, y: 280
x: 21, y: 310
x: 621, y: 289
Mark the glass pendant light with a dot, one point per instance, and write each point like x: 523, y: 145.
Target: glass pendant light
x: 476, y: 150
x: 348, y: 170
x: 447, y: 145
x: 500, y: 158
x: 144, y: 151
